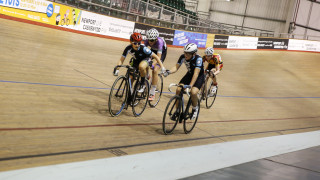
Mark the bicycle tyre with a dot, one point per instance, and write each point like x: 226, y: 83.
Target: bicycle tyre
x: 158, y: 93
x: 189, y: 124
x: 137, y: 97
x: 119, y: 90
x: 168, y: 125
x: 211, y: 99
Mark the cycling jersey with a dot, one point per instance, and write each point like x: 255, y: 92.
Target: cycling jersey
x: 143, y: 53
x: 214, y: 61
x: 159, y: 46
x: 192, y: 64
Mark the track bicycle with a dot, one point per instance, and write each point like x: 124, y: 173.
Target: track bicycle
x: 158, y: 91
x: 207, y: 93
x: 125, y: 93
x: 176, y: 112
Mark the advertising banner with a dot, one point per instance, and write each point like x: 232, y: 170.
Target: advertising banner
x: 220, y: 41
x: 238, y: 42
x: 105, y: 25
x: 166, y: 34
x: 303, y: 45
x: 41, y: 11
x: 30, y: 5
x: 271, y: 43
x: 181, y: 38
x: 68, y: 17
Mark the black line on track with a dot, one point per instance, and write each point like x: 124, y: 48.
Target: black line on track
x: 91, y: 77
x: 142, y: 144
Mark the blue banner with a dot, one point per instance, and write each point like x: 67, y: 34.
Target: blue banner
x: 182, y: 38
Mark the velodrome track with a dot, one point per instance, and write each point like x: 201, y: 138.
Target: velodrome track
x: 54, y: 87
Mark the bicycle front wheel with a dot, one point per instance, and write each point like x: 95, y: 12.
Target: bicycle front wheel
x: 140, y: 99
x: 158, y: 92
x: 189, y: 121
x: 211, y: 97
x: 118, y: 96
x: 171, y: 115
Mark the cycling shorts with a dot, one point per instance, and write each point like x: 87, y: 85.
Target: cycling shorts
x: 188, y: 77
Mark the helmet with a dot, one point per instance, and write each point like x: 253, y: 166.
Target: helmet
x: 190, y: 48
x: 136, y: 37
x: 152, y: 34
x: 209, y: 51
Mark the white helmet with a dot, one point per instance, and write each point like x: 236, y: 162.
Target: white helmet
x: 190, y: 48
x: 209, y: 51
x: 152, y: 34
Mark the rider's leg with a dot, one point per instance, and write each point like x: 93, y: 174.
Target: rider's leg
x: 194, y: 99
x: 178, y: 90
x: 194, y: 96
x: 154, y: 78
x: 143, y: 70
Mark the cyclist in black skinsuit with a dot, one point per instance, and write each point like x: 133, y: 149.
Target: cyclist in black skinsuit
x: 195, y: 75
x: 141, y: 57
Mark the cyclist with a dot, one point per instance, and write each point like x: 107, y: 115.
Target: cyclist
x: 215, y: 65
x: 194, y: 77
x: 159, y: 47
x: 140, y: 57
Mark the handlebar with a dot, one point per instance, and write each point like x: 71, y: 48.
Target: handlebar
x: 125, y: 66
x: 187, y: 90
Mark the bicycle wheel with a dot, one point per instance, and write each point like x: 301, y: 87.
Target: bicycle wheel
x: 211, y: 97
x: 188, y: 123
x: 140, y: 99
x: 118, y: 96
x: 158, y: 92
x: 169, y: 119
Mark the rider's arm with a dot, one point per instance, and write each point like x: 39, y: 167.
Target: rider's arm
x: 120, y: 62
x: 180, y: 61
x: 175, y: 68
x: 217, y: 60
x: 159, y: 55
x: 154, y: 56
x: 217, y: 69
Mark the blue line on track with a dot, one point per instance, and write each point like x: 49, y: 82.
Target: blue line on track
x: 266, y: 97
x: 45, y: 84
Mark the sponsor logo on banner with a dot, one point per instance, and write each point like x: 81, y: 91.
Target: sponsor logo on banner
x: 303, y: 45
x: 271, y: 43
x: 30, y: 5
x: 238, y: 42
x: 166, y: 34
x: 104, y: 25
x: 220, y: 41
x: 181, y: 38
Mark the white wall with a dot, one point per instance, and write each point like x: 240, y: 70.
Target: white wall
x: 266, y: 15
x: 308, y: 15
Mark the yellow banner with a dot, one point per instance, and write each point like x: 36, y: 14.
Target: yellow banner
x: 61, y: 16
x: 210, y: 40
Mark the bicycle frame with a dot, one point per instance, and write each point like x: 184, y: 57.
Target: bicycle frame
x: 130, y: 71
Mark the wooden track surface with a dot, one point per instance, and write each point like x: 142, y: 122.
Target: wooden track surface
x: 54, y: 87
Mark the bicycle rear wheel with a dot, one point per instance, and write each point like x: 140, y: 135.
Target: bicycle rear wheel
x: 189, y: 123
x: 140, y: 99
x: 158, y: 92
x: 211, y: 97
x: 118, y: 96
x: 171, y: 115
